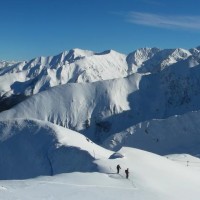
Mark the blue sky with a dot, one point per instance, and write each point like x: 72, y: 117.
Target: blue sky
x: 31, y: 28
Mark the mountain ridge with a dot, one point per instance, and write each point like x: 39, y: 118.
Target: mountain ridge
x: 96, y: 109
x: 77, y: 65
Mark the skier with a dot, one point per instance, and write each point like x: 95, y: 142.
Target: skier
x: 127, y: 172
x: 118, y: 168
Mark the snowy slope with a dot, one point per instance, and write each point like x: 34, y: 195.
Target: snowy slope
x: 185, y: 160
x: 80, y: 107
x: 176, y: 134
x: 151, y: 177
x: 30, y: 148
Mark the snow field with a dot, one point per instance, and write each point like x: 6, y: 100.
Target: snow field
x: 152, y: 177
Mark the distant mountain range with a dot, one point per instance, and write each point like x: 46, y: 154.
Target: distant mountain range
x: 149, y: 99
x: 21, y: 79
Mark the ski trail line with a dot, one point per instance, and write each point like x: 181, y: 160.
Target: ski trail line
x: 79, y: 185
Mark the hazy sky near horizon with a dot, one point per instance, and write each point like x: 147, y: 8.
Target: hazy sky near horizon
x: 31, y: 28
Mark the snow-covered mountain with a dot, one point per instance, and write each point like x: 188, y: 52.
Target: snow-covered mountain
x: 147, y: 100
x: 166, y: 84
x: 6, y: 64
x: 76, y: 65
x: 103, y: 108
x: 21, y: 79
x: 152, y: 60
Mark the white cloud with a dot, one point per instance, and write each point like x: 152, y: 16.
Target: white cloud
x: 165, y: 21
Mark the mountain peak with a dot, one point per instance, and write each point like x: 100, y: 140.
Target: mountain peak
x: 141, y: 55
x: 80, y: 52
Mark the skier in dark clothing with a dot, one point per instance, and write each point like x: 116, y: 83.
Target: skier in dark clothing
x: 118, y: 168
x: 127, y: 172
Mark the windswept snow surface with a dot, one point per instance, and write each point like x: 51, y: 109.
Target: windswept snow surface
x: 186, y: 160
x: 30, y: 148
x: 151, y: 177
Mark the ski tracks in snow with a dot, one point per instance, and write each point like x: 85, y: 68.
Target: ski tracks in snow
x: 86, y: 185
x: 120, y: 176
x: 130, y: 185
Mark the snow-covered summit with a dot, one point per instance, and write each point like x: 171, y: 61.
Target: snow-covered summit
x: 139, y: 56
x: 76, y: 54
x: 75, y: 65
x: 153, y: 60
x: 6, y: 63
